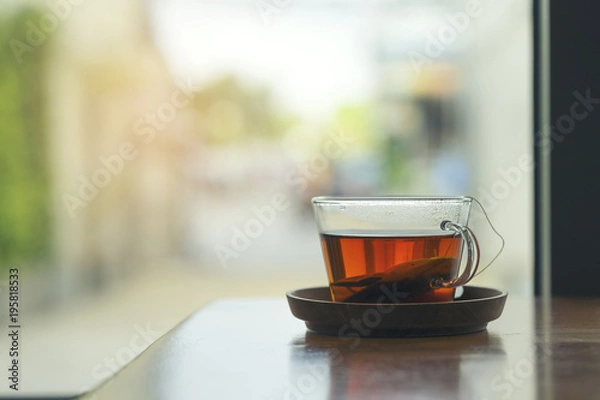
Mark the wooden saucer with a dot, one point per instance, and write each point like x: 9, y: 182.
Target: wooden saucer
x: 470, y: 313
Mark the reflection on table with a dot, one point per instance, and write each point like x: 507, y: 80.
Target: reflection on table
x: 255, y: 349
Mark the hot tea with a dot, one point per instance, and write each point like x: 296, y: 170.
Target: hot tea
x: 379, y: 266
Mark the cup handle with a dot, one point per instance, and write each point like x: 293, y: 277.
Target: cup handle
x: 470, y: 241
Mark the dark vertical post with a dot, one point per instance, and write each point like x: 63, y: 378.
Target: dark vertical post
x: 539, y: 28
x: 574, y: 140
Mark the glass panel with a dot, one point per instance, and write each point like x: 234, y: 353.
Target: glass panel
x: 156, y: 155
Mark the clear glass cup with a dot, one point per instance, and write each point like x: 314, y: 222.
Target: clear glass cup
x: 396, y: 249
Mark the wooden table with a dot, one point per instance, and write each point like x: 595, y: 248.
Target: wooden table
x: 255, y: 349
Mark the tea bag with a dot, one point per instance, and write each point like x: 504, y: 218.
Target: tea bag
x: 359, y: 281
x: 409, y: 277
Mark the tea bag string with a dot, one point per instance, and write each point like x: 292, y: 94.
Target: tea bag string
x: 497, y: 234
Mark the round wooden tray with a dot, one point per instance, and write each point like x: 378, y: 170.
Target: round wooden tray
x: 469, y: 313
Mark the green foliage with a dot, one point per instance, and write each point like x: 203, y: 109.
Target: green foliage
x: 356, y: 121
x: 233, y: 113
x: 24, y: 176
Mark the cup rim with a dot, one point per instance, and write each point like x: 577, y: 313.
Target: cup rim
x: 387, y: 199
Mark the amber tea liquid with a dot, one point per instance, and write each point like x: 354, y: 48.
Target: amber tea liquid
x: 381, y: 267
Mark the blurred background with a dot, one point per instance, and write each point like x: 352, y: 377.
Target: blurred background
x: 156, y: 155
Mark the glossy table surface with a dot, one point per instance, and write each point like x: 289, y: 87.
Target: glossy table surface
x: 255, y: 349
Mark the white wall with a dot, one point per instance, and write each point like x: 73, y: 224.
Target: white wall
x: 500, y: 88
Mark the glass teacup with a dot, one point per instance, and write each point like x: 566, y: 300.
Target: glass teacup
x: 396, y: 249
